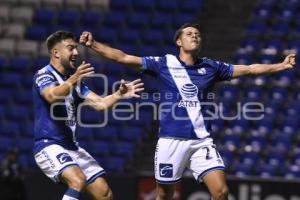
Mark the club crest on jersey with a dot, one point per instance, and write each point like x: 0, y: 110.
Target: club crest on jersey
x: 202, y: 71
x: 63, y: 158
x: 166, y: 170
x: 189, y: 90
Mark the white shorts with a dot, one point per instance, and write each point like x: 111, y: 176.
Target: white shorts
x: 54, y: 159
x: 173, y: 156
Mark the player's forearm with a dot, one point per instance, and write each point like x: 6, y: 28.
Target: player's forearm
x: 108, y: 52
x: 131, y: 61
x: 59, y: 93
x: 107, y: 102
x: 264, y: 69
x: 110, y: 100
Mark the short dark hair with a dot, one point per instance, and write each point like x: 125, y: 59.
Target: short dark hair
x: 57, y: 37
x: 179, y: 31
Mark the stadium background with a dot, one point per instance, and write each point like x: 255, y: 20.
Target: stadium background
x: 262, y: 156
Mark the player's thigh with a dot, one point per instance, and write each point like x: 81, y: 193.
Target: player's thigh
x: 53, y: 160
x: 88, y: 165
x: 73, y: 176
x: 170, y: 160
x: 216, y: 182
x: 205, y: 160
x: 99, y: 189
x: 165, y: 190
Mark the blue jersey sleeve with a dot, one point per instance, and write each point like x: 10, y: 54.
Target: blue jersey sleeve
x: 84, y: 90
x: 152, y: 63
x: 224, y: 71
x: 44, y: 79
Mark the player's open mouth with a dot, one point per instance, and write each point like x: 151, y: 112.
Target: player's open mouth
x: 73, y: 60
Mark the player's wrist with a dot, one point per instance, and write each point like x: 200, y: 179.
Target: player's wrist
x: 281, y: 66
x: 118, y: 95
x: 72, y: 80
x: 93, y: 44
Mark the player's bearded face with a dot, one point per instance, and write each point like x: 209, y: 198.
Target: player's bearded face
x: 69, y: 54
x: 190, y: 39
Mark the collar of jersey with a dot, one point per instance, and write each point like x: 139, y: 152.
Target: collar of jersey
x: 199, y: 60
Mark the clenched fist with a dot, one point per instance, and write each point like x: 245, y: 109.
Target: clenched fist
x: 290, y: 61
x: 86, y: 39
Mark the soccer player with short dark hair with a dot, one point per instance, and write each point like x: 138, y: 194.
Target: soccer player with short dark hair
x: 184, y: 138
x: 58, y: 90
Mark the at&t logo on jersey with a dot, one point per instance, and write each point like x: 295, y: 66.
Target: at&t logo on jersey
x: 63, y: 158
x: 189, y: 90
x: 166, y: 170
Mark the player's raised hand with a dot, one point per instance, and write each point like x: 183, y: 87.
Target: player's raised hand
x: 129, y: 90
x: 83, y: 71
x: 86, y: 38
x: 290, y: 61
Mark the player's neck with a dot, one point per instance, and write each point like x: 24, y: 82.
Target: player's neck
x: 59, y: 67
x: 188, y: 58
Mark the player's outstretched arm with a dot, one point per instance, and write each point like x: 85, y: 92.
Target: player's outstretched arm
x: 58, y: 93
x: 263, y: 69
x: 126, y: 90
x: 113, y: 54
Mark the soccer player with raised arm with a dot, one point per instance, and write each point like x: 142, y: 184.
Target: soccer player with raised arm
x: 57, y: 91
x: 184, y: 134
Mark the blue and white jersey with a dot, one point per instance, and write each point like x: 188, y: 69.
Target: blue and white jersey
x: 56, y: 123
x: 186, y: 94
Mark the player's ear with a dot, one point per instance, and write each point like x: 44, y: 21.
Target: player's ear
x: 55, y: 52
x: 178, y: 42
